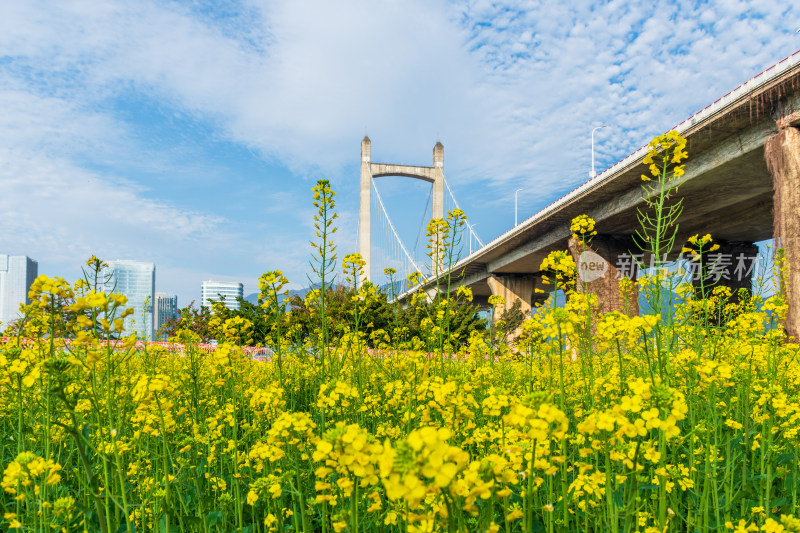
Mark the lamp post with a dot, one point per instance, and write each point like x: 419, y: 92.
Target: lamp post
x: 593, y: 173
x: 471, y: 233
x: 515, y: 205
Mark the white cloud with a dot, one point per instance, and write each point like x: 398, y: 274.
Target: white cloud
x: 483, y: 76
x: 92, y: 211
x: 512, y: 90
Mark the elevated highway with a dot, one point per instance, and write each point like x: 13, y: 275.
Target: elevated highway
x: 728, y: 190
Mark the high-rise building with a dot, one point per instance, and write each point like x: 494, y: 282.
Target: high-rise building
x: 166, y: 309
x: 137, y: 281
x: 17, y: 273
x: 213, y: 291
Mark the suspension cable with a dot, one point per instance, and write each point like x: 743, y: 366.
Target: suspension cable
x: 389, y: 220
x: 449, y: 190
x: 422, y: 222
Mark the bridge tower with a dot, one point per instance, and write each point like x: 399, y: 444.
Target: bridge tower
x: 369, y: 171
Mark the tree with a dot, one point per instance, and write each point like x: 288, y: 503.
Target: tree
x: 191, y: 319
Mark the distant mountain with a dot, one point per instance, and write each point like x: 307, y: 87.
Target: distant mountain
x: 253, y: 298
x: 399, y: 287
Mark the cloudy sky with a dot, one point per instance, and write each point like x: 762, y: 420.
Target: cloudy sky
x: 190, y: 133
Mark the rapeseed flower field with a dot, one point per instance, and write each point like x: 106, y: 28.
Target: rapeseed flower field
x: 686, y: 419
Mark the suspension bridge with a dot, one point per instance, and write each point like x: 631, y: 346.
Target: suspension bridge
x: 741, y: 185
x: 392, y: 252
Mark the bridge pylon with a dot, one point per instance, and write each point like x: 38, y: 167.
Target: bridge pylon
x: 369, y: 171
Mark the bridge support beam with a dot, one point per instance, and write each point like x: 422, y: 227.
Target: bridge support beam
x: 729, y: 266
x: 782, y: 153
x: 598, y: 273
x: 364, y: 215
x: 437, y: 198
x: 438, y: 181
x: 512, y: 287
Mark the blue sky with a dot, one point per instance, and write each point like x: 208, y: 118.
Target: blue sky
x: 190, y: 133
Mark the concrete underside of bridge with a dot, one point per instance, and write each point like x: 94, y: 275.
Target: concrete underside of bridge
x: 729, y: 190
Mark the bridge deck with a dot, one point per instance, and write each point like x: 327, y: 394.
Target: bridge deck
x: 727, y: 190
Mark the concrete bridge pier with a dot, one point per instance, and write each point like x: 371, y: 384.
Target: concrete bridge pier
x: 600, y: 267
x: 438, y: 180
x: 364, y: 215
x: 782, y: 153
x: 512, y: 287
x: 730, y: 266
x: 437, y: 197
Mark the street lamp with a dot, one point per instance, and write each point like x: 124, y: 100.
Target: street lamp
x: 593, y: 173
x: 471, y: 233
x: 515, y: 205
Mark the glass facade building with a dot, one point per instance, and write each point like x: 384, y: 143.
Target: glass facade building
x: 137, y: 281
x: 213, y: 290
x: 17, y: 273
x: 166, y: 309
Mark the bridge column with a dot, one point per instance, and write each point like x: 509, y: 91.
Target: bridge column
x: 364, y: 213
x: 512, y: 287
x: 438, y: 181
x: 782, y: 153
x: 438, y: 197
x: 729, y: 266
x: 598, y: 273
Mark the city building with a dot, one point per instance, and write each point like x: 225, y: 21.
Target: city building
x: 228, y: 291
x: 137, y: 281
x: 166, y: 309
x: 17, y: 273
